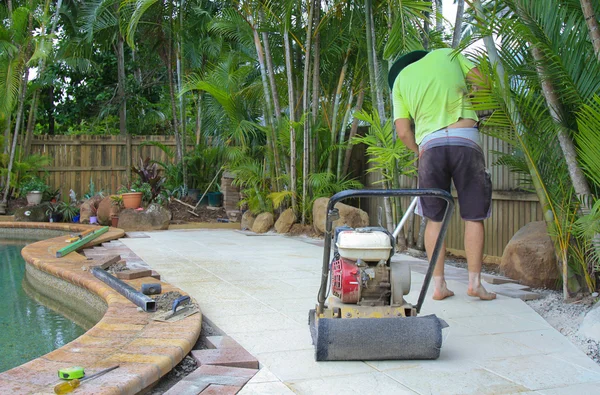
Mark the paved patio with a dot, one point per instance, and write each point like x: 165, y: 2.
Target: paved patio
x: 258, y: 290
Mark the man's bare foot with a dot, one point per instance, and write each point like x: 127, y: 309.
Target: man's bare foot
x: 442, y: 293
x: 481, y: 293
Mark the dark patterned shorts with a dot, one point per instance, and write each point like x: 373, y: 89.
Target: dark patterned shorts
x: 440, y: 165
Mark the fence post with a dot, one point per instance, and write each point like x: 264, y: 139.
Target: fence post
x: 129, y: 159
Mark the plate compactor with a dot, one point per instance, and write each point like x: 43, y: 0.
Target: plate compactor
x: 366, y: 317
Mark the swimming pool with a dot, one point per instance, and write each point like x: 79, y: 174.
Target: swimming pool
x: 28, y: 329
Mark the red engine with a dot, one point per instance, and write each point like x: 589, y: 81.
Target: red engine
x: 345, y: 280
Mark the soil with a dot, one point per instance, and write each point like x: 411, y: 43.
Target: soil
x: 181, y: 213
x: 302, y: 230
x: 14, y: 204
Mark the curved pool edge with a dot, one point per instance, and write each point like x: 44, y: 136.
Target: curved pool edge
x: 144, y: 349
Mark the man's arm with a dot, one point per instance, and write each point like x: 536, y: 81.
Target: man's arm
x: 406, y: 135
x: 476, y: 79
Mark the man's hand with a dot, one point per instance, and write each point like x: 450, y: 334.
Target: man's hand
x: 406, y: 135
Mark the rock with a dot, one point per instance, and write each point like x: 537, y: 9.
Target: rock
x: 247, y: 220
x: 107, y: 209
x: 351, y: 216
x: 285, y: 221
x: 529, y: 257
x: 155, y: 217
x: 85, y: 210
x: 31, y: 214
x: 590, y: 327
x: 263, y: 223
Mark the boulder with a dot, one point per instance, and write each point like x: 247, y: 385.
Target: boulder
x: 263, y: 223
x: 351, y: 216
x: 529, y: 257
x: 85, y: 210
x: 590, y: 327
x: 285, y: 221
x: 31, y: 214
x: 106, y: 210
x: 247, y: 220
x: 154, y: 217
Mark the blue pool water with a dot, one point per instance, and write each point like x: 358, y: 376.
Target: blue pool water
x: 28, y: 330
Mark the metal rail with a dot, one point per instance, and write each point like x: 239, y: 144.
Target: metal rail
x: 141, y: 300
x: 333, y: 214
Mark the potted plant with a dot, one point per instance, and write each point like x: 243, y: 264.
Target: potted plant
x: 52, y: 211
x: 34, y: 189
x: 51, y: 195
x: 131, y: 197
x: 68, y: 211
x: 117, y: 202
x: 93, y: 212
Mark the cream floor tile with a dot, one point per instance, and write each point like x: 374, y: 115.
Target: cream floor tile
x: 254, y: 323
x: 301, y: 365
x: 236, y: 308
x: 365, y: 383
x: 482, y: 347
x: 492, y: 324
x: 264, y: 375
x: 295, y: 304
x: 546, y: 341
x: 538, y: 372
x: 275, y: 341
x: 583, y: 389
x: 272, y: 388
x: 577, y: 358
x: 457, y: 378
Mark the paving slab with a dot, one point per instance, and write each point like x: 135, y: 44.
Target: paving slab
x: 258, y: 290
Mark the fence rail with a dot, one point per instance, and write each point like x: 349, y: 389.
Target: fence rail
x: 105, y: 160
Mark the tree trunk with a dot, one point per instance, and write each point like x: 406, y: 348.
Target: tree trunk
x: 305, y: 102
x: 7, y: 134
x: 31, y: 122
x: 272, y: 139
x: 370, y: 52
x: 271, y: 72
x: 292, y: 111
x: 515, y: 118
x: 121, y: 86
x: 460, y: 11
x: 580, y: 183
x: 354, y: 128
x: 182, y: 116
x: 20, y: 109
x: 342, y: 137
x: 199, y: 119
x: 592, y: 22
x: 336, y: 106
x: 316, y: 81
x: 51, y: 110
x: 172, y: 96
x: 376, y: 70
x: 439, y: 11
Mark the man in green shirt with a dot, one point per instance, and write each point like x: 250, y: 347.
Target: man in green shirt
x: 431, y: 89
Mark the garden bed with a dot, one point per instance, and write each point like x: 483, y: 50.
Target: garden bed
x: 182, y: 215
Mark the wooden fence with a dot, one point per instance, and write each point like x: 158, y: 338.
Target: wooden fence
x: 106, y: 160
x: 511, y: 210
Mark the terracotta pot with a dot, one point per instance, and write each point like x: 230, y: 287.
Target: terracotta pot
x: 114, y: 221
x: 132, y: 199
